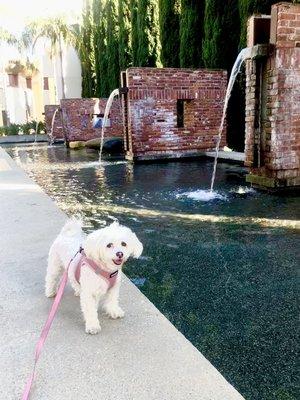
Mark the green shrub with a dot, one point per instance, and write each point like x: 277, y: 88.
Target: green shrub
x: 14, y: 129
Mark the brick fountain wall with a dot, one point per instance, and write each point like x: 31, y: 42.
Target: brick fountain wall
x: 74, y: 120
x: 58, y: 131
x: 172, y: 113
x: 272, y: 143
x: 78, y: 115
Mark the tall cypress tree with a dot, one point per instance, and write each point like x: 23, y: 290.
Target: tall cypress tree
x: 125, y: 50
x: 249, y: 7
x: 169, y: 12
x: 85, y: 52
x: 148, y: 35
x: 221, y: 33
x: 220, y: 49
x: 134, y: 31
x: 112, y: 47
x: 99, y: 47
x: 191, y: 33
x: 96, y: 40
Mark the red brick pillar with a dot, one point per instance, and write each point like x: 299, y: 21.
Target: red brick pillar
x: 250, y: 111
x: 280, y: 128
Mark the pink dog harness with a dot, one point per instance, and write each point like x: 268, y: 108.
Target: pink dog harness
x: 84, y: 261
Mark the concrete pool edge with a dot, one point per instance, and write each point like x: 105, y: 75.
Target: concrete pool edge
x: 20, y: 139
x: 164, y: 364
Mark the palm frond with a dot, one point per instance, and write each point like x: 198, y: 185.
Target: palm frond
x: 7, y: 37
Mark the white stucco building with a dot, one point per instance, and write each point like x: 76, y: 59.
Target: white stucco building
x: 24, y: 93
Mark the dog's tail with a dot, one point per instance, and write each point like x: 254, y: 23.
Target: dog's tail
x: 72, y: 227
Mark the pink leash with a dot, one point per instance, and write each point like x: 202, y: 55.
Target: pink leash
x: 46, y: 329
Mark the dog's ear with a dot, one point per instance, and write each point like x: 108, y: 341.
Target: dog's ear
x: 94, y: 243
x: 114, y: 224
x: 137, y: 247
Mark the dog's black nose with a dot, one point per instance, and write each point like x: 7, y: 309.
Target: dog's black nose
x: 119, y: 254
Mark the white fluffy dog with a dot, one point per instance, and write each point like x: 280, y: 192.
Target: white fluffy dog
x: 98, y: 277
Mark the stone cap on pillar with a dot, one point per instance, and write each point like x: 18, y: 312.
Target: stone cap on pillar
x: 261, y: 50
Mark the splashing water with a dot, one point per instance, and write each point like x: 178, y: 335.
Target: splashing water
x: 243, y: 55
x: 202, y: 195
x: 109, y: 102
x: 52, y: 127
x: 243, y: 190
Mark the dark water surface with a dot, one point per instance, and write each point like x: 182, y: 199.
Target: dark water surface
x: 229, y: 285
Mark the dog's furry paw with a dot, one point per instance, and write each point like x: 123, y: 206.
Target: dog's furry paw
x: 93, y: 329
x: 115, y: 312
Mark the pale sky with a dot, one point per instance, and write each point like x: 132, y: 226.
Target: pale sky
x: 15, y: 13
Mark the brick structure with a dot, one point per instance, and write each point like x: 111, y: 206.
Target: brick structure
x: 272, y: 143
x: 78, y: 116
x: 58, y: 130
x: 171, y: 113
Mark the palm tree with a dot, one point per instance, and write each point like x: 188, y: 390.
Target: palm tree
x: 7, y: 37
x: 57, y: 31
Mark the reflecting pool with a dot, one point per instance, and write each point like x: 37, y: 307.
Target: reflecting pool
x: 222, y: 271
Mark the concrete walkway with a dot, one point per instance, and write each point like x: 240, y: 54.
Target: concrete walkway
x: 140, y: 357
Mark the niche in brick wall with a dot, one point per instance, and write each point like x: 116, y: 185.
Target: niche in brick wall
x: 182, y: 110
x: 97, y: 121
x: 258, y: 30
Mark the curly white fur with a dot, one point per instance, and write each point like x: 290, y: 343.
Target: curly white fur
x: 110, y: 246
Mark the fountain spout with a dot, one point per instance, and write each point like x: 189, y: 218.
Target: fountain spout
x: 243, y: 55
x: 114, y: 93
x: 36, y: 131
x: 52, y: 127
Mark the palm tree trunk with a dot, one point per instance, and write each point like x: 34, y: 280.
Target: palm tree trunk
x: 61, y: 70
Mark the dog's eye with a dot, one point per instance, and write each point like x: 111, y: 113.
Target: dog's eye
x: 109, y: 245
x: 123, y: 244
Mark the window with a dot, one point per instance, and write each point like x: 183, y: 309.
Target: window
x: 46, y: 83
x: 183, y: 113
x: 5, y: 118
x: 28, y: 83
x: 13, y: 80
x: 98, y: 121
x: 180, y: 113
